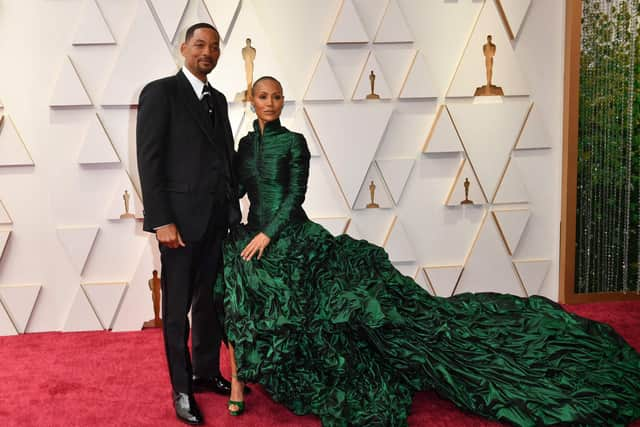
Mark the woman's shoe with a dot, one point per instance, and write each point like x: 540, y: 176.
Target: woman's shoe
x: 240, y: 409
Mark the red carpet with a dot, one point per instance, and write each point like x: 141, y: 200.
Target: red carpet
x: 120, y: 379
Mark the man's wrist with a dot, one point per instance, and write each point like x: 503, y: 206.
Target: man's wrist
x: 162, y: 226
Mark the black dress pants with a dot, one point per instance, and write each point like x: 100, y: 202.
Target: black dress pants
x: 188, y: 277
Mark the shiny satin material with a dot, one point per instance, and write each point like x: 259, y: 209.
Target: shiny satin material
x: 329, y: 327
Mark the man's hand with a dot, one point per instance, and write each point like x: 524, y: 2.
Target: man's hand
x: 256, y: 245
x: 169, y: 236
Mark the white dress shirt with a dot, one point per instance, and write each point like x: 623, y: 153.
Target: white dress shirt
x: 196, y: 83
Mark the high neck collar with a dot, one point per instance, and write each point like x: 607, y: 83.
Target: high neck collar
x: 269, y: 127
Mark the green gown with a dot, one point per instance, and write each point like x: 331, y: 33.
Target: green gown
x: 329, y: 327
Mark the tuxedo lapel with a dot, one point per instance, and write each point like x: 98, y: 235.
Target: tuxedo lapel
x: 193, y: 105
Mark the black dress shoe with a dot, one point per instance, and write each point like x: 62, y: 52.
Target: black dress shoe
x: 186, y: 408
x: 216, y: 384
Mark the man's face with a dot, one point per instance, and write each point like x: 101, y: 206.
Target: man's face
x: 201, y: 51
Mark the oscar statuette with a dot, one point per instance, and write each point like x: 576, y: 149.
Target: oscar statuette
x: 466, y: 200
x: 155, y: 288
x: 372, y: 191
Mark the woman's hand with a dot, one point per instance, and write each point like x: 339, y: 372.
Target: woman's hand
x: 256, y: 245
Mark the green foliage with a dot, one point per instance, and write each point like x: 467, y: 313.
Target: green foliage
x: 608, y: 148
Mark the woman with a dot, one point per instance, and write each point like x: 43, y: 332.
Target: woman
x: 329, y: 327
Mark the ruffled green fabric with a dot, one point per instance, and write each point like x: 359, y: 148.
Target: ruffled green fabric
x: 329, y: 327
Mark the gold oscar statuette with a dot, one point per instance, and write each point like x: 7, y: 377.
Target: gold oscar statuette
x: 249, y: 56
x: 372, y: 80
x: 372, y: 190
x: 154, y: 287
x: 126, y: 197
x: 466, y: 200
x: 489, y: 51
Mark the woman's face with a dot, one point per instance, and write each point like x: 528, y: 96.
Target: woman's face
x: 268, y: 100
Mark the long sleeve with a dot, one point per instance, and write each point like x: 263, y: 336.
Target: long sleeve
x: 151, y: 139
x: 298, y: 176
x: 240, y: 188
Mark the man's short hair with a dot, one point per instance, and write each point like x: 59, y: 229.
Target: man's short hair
x: 192, y: 29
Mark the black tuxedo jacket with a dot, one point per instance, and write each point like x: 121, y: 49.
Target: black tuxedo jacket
x: 179, y: 157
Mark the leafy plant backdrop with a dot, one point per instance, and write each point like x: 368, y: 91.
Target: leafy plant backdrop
x: 608, y: 148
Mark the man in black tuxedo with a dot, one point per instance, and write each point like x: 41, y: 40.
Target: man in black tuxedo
x: 185, y: 150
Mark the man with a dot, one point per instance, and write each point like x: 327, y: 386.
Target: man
x: 185, y: 149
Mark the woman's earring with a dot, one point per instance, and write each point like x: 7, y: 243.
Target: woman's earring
x: 252, y: 108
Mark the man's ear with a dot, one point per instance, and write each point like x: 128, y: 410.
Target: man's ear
x: 183, y: 46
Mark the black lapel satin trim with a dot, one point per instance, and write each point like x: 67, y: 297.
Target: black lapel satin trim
x: 191, y: 101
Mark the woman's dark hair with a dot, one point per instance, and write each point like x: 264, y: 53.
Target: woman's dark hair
x: 192, y: 29
x: 263, y: 78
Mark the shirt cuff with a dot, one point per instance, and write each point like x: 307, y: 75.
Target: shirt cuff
x: 162, y: 226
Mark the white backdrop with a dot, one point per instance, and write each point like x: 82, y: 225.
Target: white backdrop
x: 72, y: 70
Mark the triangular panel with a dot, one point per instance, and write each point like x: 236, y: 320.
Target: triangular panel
x: 396, y: 62
x: 393, y: 28
x: 78, y: 241
x: 488, y: 267
x: 472, y: 71
x: 534, y: 133
x: 347, y: 64
x: 13, y: 151
x: 371, y: 13
x: 19, y: 301
x: 337, y: 127
x: 120, y: 126
x: 298, y: 122
x: 512, y: 188
x: 532, y: 273
x: 513, y: 13
x: 105, y: 299
x: 229, y: 76
x: 511, y: 223
x: 488, y: 133
x: 4, y: 238
x: 5, y: 218
x: 92, y: 29
x: 135, y: 66
x: 404, y: 136
x: 81, y: 316
x: 397, y: 244
x: 443, y: 137
x: 126, y: 202
x: 324, y: 197
x: 459, y: 192
x: 335, y: 226
x: 373, y: 183
x: 7, y: 328
x: 395, y: 173
x: 97, y: 146
x: 372, y: 225
x: 236, y: 117
x: 406, y: 268
x: 137, y: 302
x: 419, y: 83
x: 222, y: 13
x: 323, y: 85
x: 422, y: 280
x: 443, y: 278
x: 169, y: 13
x: 381, y: 87
x: 348, y: 26
x: 69, y: 89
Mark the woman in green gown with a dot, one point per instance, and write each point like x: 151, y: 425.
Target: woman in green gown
x: 327, y: 325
